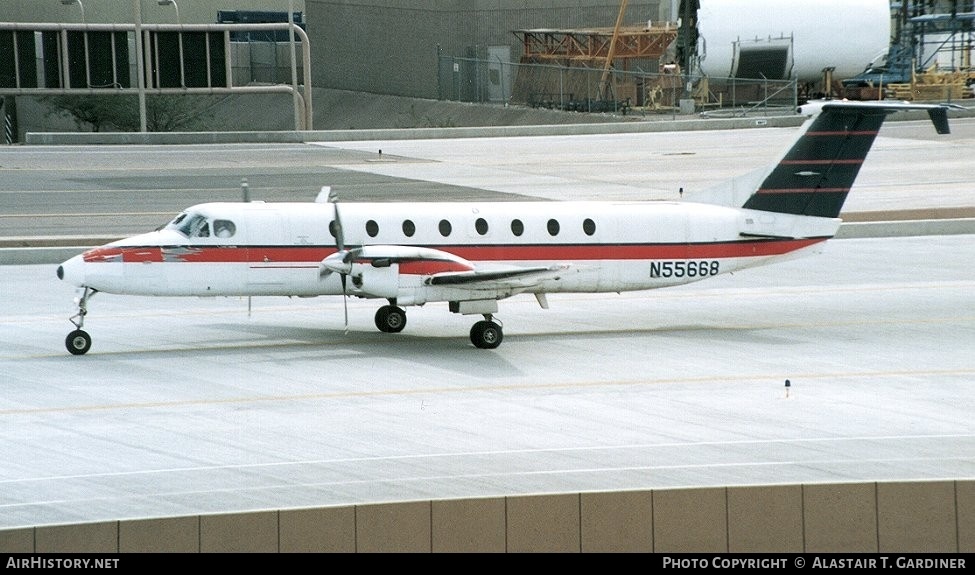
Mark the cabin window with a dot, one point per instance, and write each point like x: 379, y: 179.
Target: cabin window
x: 481, y: 226
x: 589, y: 227
x: 517, y: 227
x: 331, y: 229
x: 409, y: 228
x: 553, y: 227
x: 224, y: 228
x: 445, y: 228
x: 372, y: 228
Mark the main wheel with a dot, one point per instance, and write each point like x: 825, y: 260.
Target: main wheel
x: 78, y: 342
x: 390, y: 319
x: 486, y: 335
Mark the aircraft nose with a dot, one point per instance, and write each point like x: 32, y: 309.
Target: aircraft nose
x: 72, y: 271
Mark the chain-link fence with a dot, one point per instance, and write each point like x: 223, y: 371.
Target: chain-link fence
x: 584, y: 89
x: 263, y: 62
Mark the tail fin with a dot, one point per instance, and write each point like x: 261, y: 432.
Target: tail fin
x: 815, y: 175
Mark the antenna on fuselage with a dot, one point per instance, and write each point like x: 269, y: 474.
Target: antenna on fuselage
x: 245, y: 191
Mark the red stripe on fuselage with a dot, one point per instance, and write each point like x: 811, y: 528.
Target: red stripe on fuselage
x: 843, y: 133
x: 269, y: 256
x: 800, y: 190
x: 817, y: 162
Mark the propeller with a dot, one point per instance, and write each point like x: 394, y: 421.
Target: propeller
x: 341, y: 261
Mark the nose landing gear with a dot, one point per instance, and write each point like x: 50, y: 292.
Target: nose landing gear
x: 78, y: 341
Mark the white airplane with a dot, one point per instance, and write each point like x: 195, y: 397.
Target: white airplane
x: 474, y: 254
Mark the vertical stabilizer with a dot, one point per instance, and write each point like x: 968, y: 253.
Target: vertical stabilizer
x: 815, y: 175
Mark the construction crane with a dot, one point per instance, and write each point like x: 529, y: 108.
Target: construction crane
x: 604, y: 81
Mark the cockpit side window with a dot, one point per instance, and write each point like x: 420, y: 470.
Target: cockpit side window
x: 224, y: 228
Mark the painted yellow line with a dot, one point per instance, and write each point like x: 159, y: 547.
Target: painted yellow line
x: 489, y: 388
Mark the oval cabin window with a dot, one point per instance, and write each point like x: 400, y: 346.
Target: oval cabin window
x: 481, y: 226
x: 517, y: 227
x: 589, y: 227
x: 553, y: 227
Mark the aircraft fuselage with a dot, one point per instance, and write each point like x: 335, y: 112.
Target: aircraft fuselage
x: 276, y: 249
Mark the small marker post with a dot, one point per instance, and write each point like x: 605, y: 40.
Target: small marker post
x: 788, y: 384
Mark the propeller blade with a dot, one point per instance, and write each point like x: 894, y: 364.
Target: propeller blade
x: 345, y: 304
x: 344, y: 265
x: 333, y: 199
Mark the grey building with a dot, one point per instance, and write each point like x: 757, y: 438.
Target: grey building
x: 419, y: 49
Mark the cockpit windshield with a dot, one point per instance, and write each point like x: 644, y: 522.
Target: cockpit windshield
x: 193, y: 226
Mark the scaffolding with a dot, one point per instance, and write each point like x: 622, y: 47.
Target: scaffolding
x: 577, y: 53
x: 929, y: 57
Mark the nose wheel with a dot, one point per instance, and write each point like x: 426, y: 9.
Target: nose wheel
x: 486, y: 334
x: 78, y: 341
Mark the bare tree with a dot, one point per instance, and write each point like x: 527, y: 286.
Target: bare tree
x: 164, y: 113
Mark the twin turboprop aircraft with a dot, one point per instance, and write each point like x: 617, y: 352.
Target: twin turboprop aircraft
x: 474, y: 254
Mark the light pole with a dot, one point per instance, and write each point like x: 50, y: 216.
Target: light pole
x: 80, y: 5
x: 179, y: 35
x: 140, y: 64
x: 84, y: 35
x: 294, y: 64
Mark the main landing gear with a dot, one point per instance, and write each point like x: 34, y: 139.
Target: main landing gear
x: 485, y: 334
x: 390, y: 319
x: 78, y: 341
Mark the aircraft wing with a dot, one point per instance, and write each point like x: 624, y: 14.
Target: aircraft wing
x: 513, y: 277
x: 438, y: 268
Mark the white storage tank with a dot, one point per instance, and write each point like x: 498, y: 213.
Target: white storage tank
x: 783, y: 39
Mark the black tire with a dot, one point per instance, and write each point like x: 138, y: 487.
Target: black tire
x: 390, y: 319
x: 486, y: 335
x: 78, y: 342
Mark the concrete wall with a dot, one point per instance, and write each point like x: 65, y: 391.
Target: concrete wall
x: 897, y: 517
x: 123, y: 11
x: 392, y: 47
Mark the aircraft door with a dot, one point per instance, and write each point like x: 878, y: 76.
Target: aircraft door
x: 266, y: 254
x: 610, y: 273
